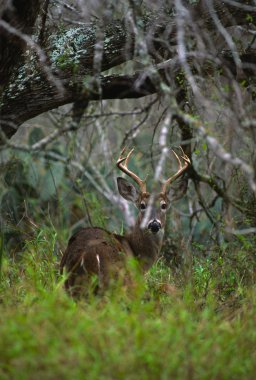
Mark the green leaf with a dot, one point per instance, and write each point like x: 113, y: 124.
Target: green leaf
x: 204, y: 146
x: 35, y: 135
x: 33, y: 174
x: 51, y: 180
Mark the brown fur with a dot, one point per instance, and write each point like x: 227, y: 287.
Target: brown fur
x: 81, y: 262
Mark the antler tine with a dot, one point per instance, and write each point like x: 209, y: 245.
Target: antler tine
x: 180, y: 171
x: 124, y: 169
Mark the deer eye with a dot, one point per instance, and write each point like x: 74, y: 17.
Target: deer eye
x: 143, y: 206
x: 163, y: 206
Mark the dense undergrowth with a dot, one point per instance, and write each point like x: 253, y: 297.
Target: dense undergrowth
x: 195, y: 322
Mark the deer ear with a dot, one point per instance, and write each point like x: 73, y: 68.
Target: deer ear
x: 127, y: 190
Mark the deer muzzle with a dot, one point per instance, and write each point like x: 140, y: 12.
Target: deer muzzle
x: 154, y: 226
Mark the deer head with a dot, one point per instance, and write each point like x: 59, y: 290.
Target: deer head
x: 141, y: 198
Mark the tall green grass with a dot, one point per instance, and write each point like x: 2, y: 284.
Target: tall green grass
x: 198, y: 322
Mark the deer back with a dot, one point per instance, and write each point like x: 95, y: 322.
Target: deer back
x: 93, y: 251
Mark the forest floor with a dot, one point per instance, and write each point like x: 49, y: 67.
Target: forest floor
x: 196, y: 321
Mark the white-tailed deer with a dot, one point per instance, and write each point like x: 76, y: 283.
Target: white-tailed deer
x: 94, y: 251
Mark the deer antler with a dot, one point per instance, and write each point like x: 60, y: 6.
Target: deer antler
x: 181, y: 170
x: 124, y: 168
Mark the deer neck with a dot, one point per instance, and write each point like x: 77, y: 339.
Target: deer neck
x: 145, y: 245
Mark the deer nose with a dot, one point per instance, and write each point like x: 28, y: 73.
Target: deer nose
x: 154, y: 226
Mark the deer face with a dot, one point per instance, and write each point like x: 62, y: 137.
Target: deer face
x: 154, y: 210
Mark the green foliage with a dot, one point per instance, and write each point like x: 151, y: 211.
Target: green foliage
x: 31, y: 176
x: 1, y: 252
x: 169, y: 325
x: 35, y: 188
x: 95, y: 209
x: 30, y: 188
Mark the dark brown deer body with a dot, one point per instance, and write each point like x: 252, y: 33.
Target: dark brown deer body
x: 95, y: 251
